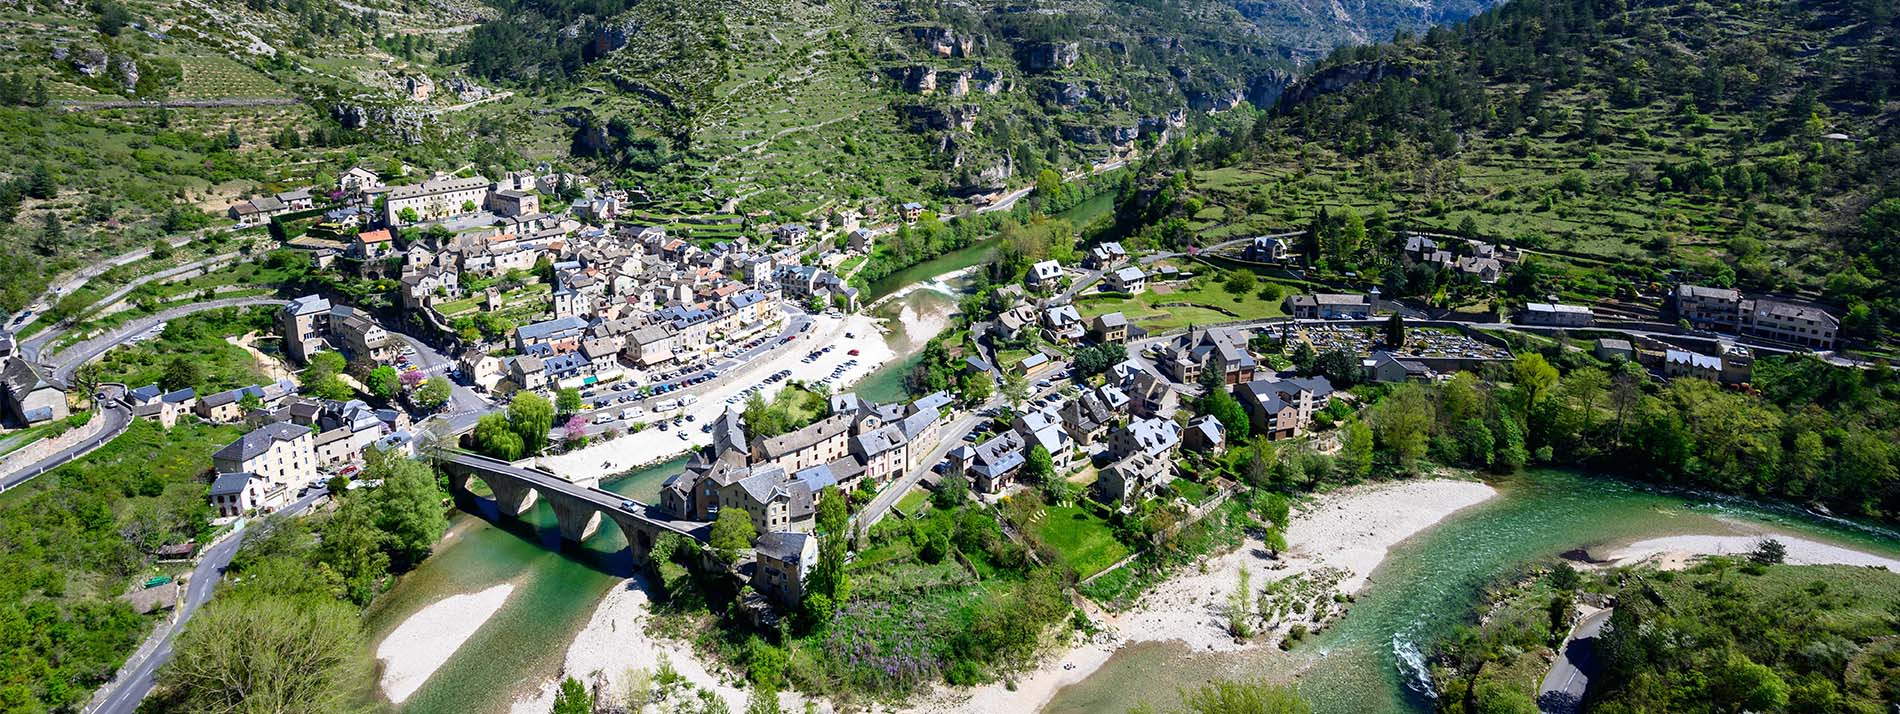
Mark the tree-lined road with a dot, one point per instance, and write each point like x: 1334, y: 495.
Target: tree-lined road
x: 135, y: 679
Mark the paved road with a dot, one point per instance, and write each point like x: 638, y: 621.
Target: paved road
x: 93, y: 270
x: 30, y: 348
x: 69, y: 360
x: 123, y: 694
x: 1569, y: 677
x: 117, y: 417
x: 949, y: 437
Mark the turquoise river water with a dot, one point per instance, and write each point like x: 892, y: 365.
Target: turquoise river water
x: 1372, y: 660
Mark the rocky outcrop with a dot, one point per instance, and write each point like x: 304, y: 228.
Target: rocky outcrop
x: 1264, y: 90
x: 1080, y: 133
x: 126, y: 70
x: 941, y: 118
x: 1333, y: 79
x: 920, y: 80
x: 1049, y: 56
x: 946, y: 42
x: 1065, y: 94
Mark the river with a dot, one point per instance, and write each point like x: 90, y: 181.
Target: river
x: 1371, y: 660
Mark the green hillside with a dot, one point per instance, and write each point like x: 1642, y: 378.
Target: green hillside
x: 1739, y: 143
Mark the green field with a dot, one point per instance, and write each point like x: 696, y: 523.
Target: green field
x: 1082, y: 540
x: 1204, y: 302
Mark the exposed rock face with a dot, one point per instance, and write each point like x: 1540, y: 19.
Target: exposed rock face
x: 1080, y: 133
x: 90, y: 62
x: 126, y: 69
x: 920, y: 80
x: 411, y: 125
x: 1333, y: 79
x: 1264, y: 91
x: 1122, y: 135
x: 945, y: 42
x: 1051, y: 56
x: 945, y: 118
x: 1066, y: 94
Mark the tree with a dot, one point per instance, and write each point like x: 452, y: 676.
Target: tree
x: 1097, y: 359
x: 1401, y: 424
x: 1040, y: 467
x: 567, y: 401
x: 353, y: 548
x: 268, y: 655
x: 408, y: 507
x: 1769, y: 552
x: 531, y: 416
x: 975, y: 388
x: 1534, y: 375
x: 1015, y: 388
x: 495, y: 437
x: 434, y: 393
x: 833, y: 516
x: 382, y: 381
x: 52, y: 235
x: 732, y: 534
x: 1222, y: 405
x: 1395, y: 331
x: 573, y: 698
x: 951, y: 491
x: 1355, y: 450
x: 182, y: 372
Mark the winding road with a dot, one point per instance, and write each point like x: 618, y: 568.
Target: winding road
x: 117, y: 417
x: 128, y: 688
x: 1569, y: 677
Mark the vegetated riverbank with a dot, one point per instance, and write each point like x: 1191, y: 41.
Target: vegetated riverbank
x: 1372, y: 659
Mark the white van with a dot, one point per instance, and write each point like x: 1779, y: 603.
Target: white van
x: 689, y: 400
x: 665, y: 406
x: 632, y: 412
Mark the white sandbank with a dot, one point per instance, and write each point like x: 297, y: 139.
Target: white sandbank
x: 1673, y: 552
x: 416, y: 648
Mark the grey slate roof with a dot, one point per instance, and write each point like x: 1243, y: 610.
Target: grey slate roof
x: 258, y: 442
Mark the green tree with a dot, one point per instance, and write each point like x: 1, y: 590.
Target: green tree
x: 732, y: 534
x: 495, y: 437
x: 268, y: 655
x: 1401, y: 424
x: 1015, y: 388
x: 1222, y: 405
x: 567, y: 401
x: 975, y: 388
x: 531, y: 416
x: 182, y: 372
x: 381, y: 382
x: 408, y: 507
x: 434, y: 393
x: 1395, y: 331
x: 1040, y: 467
x: 573, y: 698
x: 1355, y: 449
x: 353, y: 548
x: 1535, y: 377
x: 833, y: 516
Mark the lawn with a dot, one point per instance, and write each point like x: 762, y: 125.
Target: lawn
x: 1082, y: 540
x: 913, y: 501
x: 1197, y: 302
x: 1192, y: 491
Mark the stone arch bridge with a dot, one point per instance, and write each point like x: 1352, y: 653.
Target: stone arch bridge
x: 579, y: 507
